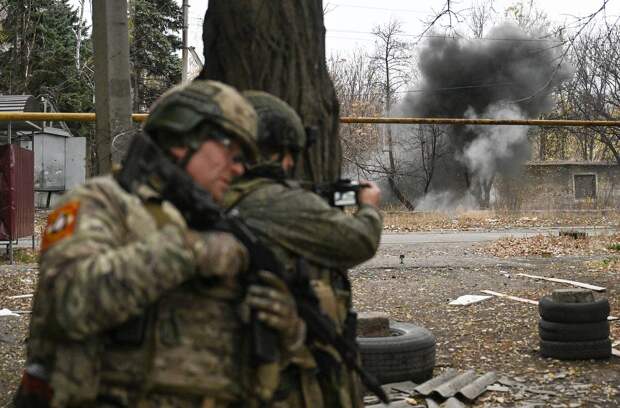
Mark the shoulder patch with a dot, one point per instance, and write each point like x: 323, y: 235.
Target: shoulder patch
x: 60, y: 224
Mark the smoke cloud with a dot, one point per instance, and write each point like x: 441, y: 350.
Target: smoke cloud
x: 508, y: 75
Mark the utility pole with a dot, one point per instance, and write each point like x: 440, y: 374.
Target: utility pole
x: 185, y: 50
x: 112, y: 84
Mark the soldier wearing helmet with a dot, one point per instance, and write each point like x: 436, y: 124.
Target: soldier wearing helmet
x: 304, y: 231
x: 281, y: 134
x: 134, y: 308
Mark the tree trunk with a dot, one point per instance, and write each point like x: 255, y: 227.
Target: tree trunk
x: 279, y: 47
x: 78, y: 47
x: 542, y: 147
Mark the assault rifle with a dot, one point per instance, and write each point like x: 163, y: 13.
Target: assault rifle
x: 341, y: 193
x: 147, y: 164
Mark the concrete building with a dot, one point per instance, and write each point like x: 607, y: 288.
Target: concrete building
x: 562, y: 185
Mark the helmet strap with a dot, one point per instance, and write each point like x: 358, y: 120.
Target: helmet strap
x: 184, y: 161
x: 290, y: 173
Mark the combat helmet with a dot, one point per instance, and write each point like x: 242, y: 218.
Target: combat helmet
x: 279, y: 126
x: 189, y: 114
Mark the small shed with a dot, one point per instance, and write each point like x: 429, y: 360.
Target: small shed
x: 16, y: 195
x: 59, y: 157
x: 18, y: 103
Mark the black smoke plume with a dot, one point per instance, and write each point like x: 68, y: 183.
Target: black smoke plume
x: 509, y: 75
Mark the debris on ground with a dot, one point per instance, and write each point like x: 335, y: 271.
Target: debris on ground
x: 515, y: 298
x: 7, y: 312
x: 611, y: 264
x: 569, y: 282
x: 466, y: 386
x: 573, y: 234
x: 468, y: 300
x: 451, y: 388
x: 550, y: 246
x: 498, y: 335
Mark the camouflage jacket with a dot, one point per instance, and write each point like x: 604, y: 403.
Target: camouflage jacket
x: 289, y: 217
x: 295, y: 223
x: 106, y: 261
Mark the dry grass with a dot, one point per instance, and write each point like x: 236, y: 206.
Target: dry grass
x: 611, y: 264
x: 20, y: 256
x: 403, y: 221
x: 551, y: 246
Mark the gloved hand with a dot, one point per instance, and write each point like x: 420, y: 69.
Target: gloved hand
x: 277, y: 309
x: 370, y: 194
x: 219, y: 254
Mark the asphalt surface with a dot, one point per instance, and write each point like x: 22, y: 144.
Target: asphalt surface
x: 479, y: 236
x: 456, y: 248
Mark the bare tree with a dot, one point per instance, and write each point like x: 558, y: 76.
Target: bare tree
x: 356, y: 83
x: 79, y: 33
x: 528, y: 16
x: 432, y: 146
x: 480, y: 16
x: 448, y: 13
x: 594, y: 92
x: 393, y: 59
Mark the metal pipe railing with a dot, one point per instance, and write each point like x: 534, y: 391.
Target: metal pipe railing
x: 140, y: 117
x: 58, y: 117
x: 506, y: 122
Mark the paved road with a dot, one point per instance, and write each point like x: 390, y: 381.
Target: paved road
x: 477, y: 236
x: 446, y: 237
x: 455, y: 248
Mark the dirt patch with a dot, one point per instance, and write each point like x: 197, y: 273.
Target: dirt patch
x: 16, y: 280
x: 497, y: 334
x: 553, y: 246
x: 494, y: 335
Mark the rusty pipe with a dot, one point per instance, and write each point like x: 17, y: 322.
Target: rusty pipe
x: 140, y: 117
x: 58, y: 117
x: 506, y: 122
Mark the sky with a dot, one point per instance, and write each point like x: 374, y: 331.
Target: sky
x: 349, y: 22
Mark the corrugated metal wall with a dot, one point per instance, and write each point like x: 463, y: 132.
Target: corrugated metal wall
x: 16, y: 192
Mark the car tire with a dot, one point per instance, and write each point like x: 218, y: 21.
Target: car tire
x: 551, y: 311
x: 570, y: 332
x: 408, y: 355
x: 578, y: 350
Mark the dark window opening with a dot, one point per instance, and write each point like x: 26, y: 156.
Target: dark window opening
x: 585, y: 186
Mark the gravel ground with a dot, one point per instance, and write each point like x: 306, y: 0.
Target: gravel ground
x: 494, y: 335
x: 497, y: 334
x: 14, y: 281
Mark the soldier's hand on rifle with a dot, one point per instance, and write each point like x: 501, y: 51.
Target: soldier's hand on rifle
x: 370, y: 194
x: 277, y: 309
x: 220, y: 255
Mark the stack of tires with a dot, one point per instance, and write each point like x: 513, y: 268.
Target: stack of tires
x: 574, y: 331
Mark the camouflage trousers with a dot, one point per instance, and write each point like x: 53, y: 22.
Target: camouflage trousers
x: 162, y: 400
x: 338, y: 388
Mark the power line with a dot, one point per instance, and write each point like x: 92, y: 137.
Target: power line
x: 349, y: 38
x: 379, y: 8
x: 449, y: 38
x: 456, y: 88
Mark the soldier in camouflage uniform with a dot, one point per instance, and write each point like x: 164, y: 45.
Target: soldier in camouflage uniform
x: 134, y: 309
x: 296, y: 223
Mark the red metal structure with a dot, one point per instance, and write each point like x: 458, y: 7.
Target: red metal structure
x: 16, y: 194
